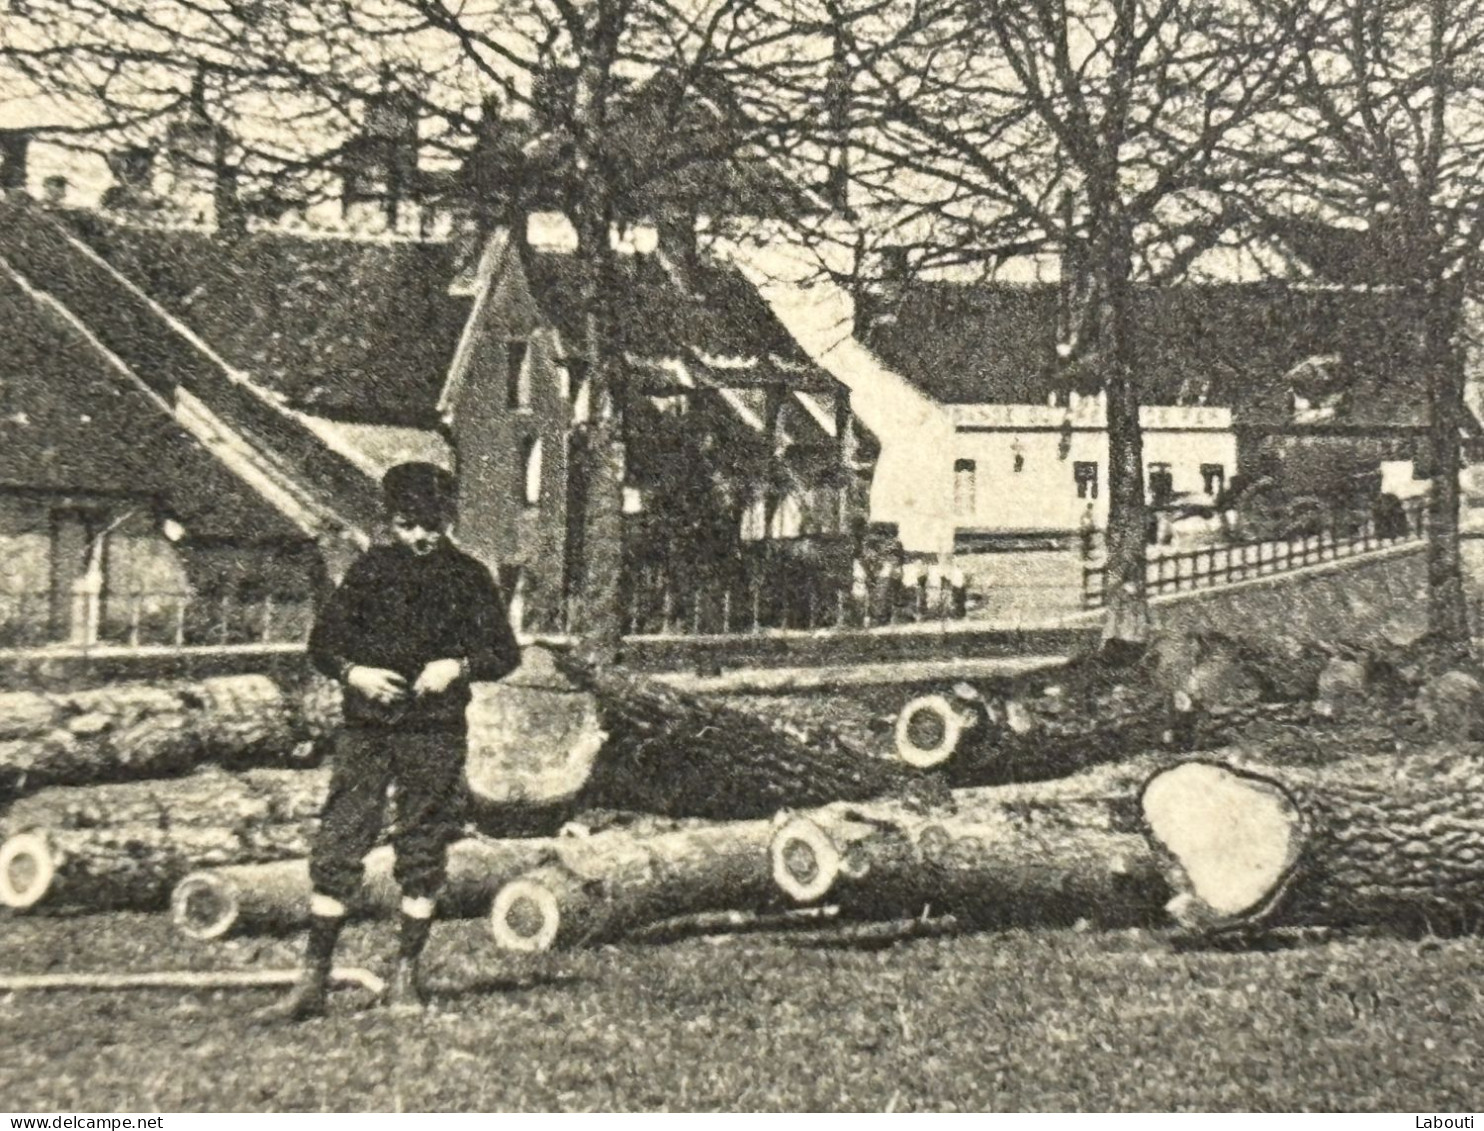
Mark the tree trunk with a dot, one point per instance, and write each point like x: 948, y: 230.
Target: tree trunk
x: 1127, y: 618
x: 261, y: 898
x: 1447, y: 606
x: 1373, y: 841
x: 599, y: 888
x: 134, y: 730
x: 600, y: 601
x: 672, y: 754
x: 999, y: 856
x: 126, y: 845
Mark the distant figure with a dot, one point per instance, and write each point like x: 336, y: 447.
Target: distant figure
x: 1089, y: 531
x: 958, y: 585
x: 1390, y: 517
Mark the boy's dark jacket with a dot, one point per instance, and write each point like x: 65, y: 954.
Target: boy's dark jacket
x: 398, y: 611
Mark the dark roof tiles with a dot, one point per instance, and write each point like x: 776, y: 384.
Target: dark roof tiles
x: 1235, y: 345
x: 71, y: 422
x: 354, y: 330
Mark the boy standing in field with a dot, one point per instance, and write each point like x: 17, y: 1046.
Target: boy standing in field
x: 406, y: 632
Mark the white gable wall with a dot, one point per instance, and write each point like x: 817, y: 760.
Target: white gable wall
x: 1043, y: 493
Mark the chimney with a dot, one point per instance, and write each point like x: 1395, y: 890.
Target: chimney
x: 14, y: 145
x: 133, y: 168
x: 380, y: 163
x: 54, y: 191
x: 494, y: 173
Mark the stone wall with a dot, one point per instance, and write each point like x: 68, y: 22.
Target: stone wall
x: 1355, y: 600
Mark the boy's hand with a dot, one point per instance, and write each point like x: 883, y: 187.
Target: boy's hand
x: 438, y: 677
x: 378, y: 684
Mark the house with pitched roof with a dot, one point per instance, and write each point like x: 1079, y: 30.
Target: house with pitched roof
x: 121, y: 522
x: 1314, y: 384
x: 308, y: 364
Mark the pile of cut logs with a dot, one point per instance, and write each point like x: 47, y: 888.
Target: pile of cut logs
x: 1079, y: 799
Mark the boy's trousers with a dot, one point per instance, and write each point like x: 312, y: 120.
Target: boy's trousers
x: 427, y: 768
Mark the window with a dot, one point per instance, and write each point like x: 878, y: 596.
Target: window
x: 755, y: 520
x: 582, y: 402
x: 1085, y: 473
x: 1161, y: 484
x: 964, y: 487
x: 1213, y: 479
x: 531, y: 465
x: 517, y: 384
x: 788, y: 517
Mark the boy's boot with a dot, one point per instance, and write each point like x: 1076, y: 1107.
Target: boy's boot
x: 407, y: 990
x: 308, y: 997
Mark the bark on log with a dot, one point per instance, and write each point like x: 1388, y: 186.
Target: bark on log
x: 262, y: 898
x: 124, y: 866
x: 1397, y: 843
x: 208, y: 798
x: 598, y: 888
x: 133, y: 731
x: 999, y: 856
x: 670, y: 753
x: 126, y: 845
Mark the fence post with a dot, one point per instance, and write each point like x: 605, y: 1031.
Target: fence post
x: 267, y: 628
x: 757, y: 620
x: 180, y: 615
x: 136, y: 600
x: 225, y: 612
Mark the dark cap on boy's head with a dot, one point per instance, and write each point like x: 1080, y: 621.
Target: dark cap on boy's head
x: 423, y: 492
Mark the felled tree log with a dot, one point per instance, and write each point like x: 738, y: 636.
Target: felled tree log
x: 126, y: 845
x: 132, y: 731
x: 1091, y: 711
x: 121, y: 866
x: 670, y: 753
x: 983, y: 740
x: 261, y: 898
x: 1012, y: 854
x: 1373, y: 841
x: 600, y: 887
x: 210, y: 797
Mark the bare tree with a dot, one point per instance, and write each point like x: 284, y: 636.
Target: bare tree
x: 1105, y: 131
x: 1383, y: 123
x: 624, y: 99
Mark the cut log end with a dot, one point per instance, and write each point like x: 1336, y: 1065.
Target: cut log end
x: 1233, y: 838
x: 806, y: 861
x: 929, y: 730
x: 525, y: 917
x: 27, y: 867
x: 204, y: 907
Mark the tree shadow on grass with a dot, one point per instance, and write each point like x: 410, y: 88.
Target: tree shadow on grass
x: 1258, y: 941
x: 486, y: 985
x: 869, y: 936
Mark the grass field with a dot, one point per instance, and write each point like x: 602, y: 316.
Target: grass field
x: 1007, y: 1021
